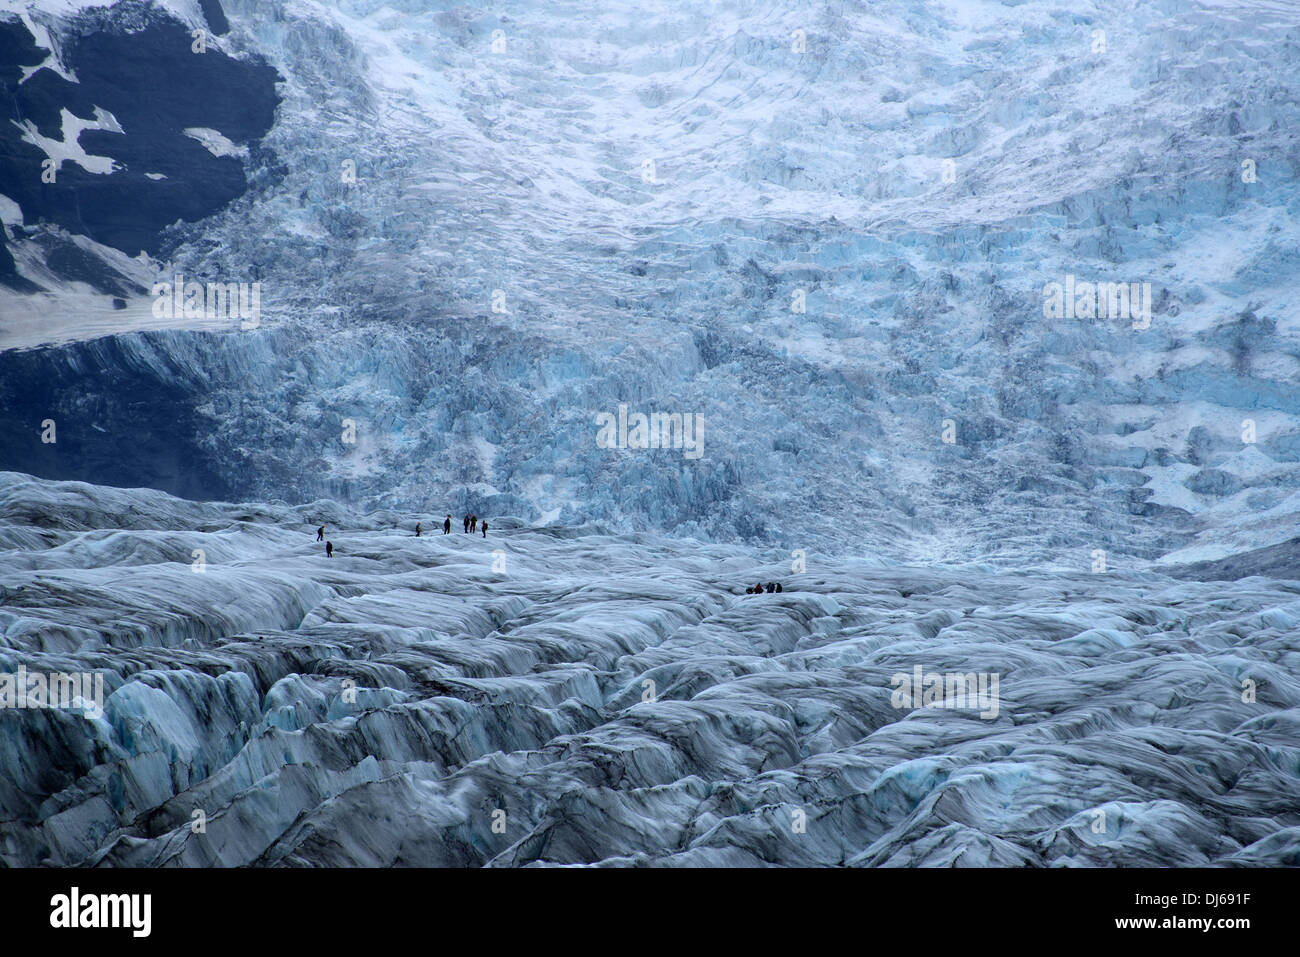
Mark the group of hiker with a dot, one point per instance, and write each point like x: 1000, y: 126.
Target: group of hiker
x: 329, y: 546
x: 471, y: 526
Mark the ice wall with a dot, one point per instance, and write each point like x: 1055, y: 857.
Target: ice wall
x: 652, y: 191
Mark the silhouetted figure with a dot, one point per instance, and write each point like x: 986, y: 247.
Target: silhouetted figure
x: 467, y: 523
x: 758, y: 589
x: 446, y: 526
x: 329, y: 549
x: 749, y: 591
x: 417, y: 529
x: 320, y: 534
x: 485, y: 528
x: 473, y: 523
x: 778, y: 586
x: 771, y: 588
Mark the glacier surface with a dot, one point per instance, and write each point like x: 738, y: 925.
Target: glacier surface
x: 551, y: 696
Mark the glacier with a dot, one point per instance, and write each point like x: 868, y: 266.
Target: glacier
x: 773, y: 175
x: 825, y: 232
x: 560, y: 696
x: 556, y: 695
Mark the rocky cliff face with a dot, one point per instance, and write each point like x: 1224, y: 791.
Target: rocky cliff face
x: 115, y: 128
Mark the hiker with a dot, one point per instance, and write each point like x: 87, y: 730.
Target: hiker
x: 778, y: 586
x: 329, y: 549
x: 467, y: 523
x: 417, y: 529
x: 485, y: 528
x: 446, y: 526
x: 749, y: 591
x: 473, y: 523
x: 771, y: 588
x: 320, y: 534
x: 758, y: 589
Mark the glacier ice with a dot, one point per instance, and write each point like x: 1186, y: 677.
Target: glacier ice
x: 826, y: 231
x: 778, y: 176
x: 616, y: 699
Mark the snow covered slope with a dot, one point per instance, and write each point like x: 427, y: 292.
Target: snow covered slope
x: 554, y: 697
x: 649, y: 193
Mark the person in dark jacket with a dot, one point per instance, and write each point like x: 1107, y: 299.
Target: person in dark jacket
x: 473, y: 524
x: 320, y: 534
x: 329, y: 549
x: 778, y: 586
x: 485, y: 528
x: 417, y: 529
x: 467, y: 523
x: 446, y: 526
